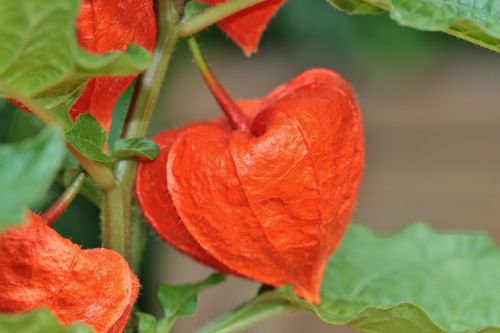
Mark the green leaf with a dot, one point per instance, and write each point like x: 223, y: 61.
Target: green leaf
x: 27, y: 169
x: 41, y: 63
x: 475, y: 21
x: 23, y: 126
x: 181, y: 300
x: 135, y: 147
x: 355, y: 6
x: 416, y: 281
x: 193, y: 8
x: 37, y: 321
x: 88, y: 137
x: 147, y: 323
x: 176, y: 300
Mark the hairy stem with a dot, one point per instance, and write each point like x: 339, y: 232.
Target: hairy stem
x: 140, y: 113
x: 100, y: 172
x: 115, y: 221
x: 58, y: 207
x: 233, y: 113
x: 213, y: 15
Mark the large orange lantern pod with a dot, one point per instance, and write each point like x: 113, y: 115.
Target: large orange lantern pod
x: 271, y: 204
x: 39, y: 268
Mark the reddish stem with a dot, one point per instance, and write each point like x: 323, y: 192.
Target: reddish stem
x: 233, y: 113
x: 52, y: 214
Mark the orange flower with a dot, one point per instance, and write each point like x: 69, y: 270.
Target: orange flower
x: 273, y: 205
x: 39, y: 268
x: 245, y: 28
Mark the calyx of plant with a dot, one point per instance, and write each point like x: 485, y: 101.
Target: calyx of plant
x: 271, y: 204
x: 39, y: 268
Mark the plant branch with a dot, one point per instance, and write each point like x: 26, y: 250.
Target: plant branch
x: 259, y: 309
x: 115, y: 221
x: 58, y: 207
x: 140, y: 113
x: 115, y: 218
x: 197, y: 23
x: 100, y: 172
x: 148, y: 87
x: 89, y: 189
x: 233, y: 113
x: 47, y: 117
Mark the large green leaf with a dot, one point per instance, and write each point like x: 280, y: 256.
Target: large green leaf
x: 41, y: 63
x: 23, y: 126
x: 176, y: 300
x: 416, y: 281
x: 27, y: 169
x: 37, y: 321
x: 477, y: 21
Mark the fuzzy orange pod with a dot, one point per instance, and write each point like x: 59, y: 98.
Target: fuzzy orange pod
x: 39, y: 268
x: 105, y: 25
x: 272, y: 205
x: 246, y: 27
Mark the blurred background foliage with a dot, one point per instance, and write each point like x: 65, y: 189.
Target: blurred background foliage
x: 432, y: 118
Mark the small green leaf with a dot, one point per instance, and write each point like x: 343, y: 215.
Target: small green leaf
x: 181, y: 300
x: 355, y: 6
x: 88, y: 137
x: 27, y: 169
x: 37, y: 321
x: 147, y: 323
x: 475, y: 21
x: 41, y: 63
x: 135, y: 147
x: 415, y: 281
x: 193, y: 8
x: 177, y: 300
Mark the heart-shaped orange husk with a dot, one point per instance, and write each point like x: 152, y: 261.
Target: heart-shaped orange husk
x: 272, y: 205
x: 39, y: 268
x: 245, y: 28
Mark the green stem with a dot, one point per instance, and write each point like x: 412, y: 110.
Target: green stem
x: 140, y: 113
x: 148, y: 86
x: 47, y: 117
x: 100, y: 172
x: 249, y: 314
x: 213, y: 15
x: 115, y: 221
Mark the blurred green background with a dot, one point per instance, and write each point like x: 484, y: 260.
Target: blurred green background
x: 431, y: 105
